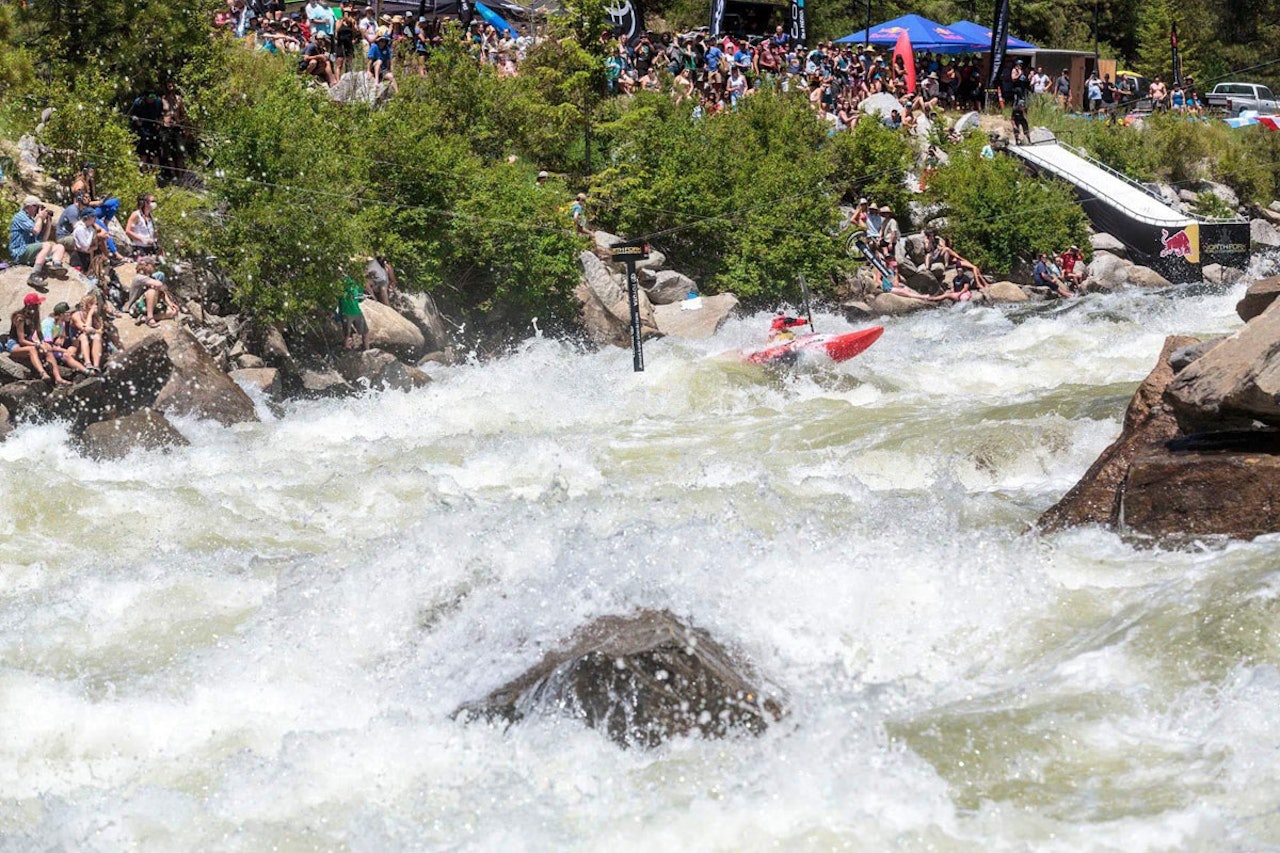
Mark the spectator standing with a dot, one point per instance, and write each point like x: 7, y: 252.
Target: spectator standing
x: 380, y: 279
x: 352, y: 317
x: 578, y: 212
x: 320, y: 17
x: 890, y: 233
x: 1093, y: 91
x: 1062, y: 90
x: 1040, y: 81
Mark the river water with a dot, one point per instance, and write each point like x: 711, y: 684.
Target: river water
x: 256, y: 642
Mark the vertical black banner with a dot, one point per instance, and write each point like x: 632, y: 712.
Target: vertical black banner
x: 799, y: 27
x: 626, y: 19
x: 717, y: 16
x: 1177, y: 57
x: 999, y: 42
x: 465, y: 12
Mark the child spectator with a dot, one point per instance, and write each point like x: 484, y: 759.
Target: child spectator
x: 54, y: 333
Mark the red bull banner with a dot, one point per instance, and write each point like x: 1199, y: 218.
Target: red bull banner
x: 1184, y: 244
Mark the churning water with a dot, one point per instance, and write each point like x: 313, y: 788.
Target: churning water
x: 256, y: 642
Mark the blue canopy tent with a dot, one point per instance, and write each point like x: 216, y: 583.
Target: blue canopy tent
x: 925, y: 35
x: 977, y: 32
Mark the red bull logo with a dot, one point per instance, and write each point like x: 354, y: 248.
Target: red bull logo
x: 1179, y: 245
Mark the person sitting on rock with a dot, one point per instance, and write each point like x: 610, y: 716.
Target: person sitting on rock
x: 961, y: 286
x: 893, y: 283
x: 940, y: 252
x: 55, y: 334
x: 90, y: 251
x: 87, y: 324
x: 1048, y: 274
x: 148, y: 294
x: 780, y: 329
x: 31, y: 242
x: 1072, y: 263
x: 23, y: 341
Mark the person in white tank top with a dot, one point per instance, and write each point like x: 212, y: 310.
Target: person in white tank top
x: 141, y: 228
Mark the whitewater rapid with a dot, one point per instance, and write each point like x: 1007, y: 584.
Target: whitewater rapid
x: 256, y: 642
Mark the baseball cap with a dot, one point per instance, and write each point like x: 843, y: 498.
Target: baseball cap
x: 61, y: 308
x: 32, y: 299
x: 542, y: 175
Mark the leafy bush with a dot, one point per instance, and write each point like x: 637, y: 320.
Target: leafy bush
x: 996, y: 214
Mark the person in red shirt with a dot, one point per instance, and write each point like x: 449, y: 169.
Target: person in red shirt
x: 1072, y: 262
x: 780, y: 330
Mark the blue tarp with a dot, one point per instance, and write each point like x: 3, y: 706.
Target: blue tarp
x: 924, y: 34
x: 977, y: 32
x: 492, y: 17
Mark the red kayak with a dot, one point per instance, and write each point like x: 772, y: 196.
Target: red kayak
x: 835, y: 347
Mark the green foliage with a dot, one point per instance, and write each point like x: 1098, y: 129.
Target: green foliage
x: 86, y: 126
x: 137, y: 44
x: 742, y: 201
x: 996, y: 214
x: 872, y: 161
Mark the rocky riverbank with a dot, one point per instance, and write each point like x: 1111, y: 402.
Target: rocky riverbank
x: 1199, y: 454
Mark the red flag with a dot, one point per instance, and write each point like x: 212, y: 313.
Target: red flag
x: 902, y: 52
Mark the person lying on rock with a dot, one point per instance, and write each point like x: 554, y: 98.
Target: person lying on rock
x: 893, y: 284
x: 780, y: 330
x: 55, y: 334
x: 148, y: 294
x: 24, y: 344
x: 939, y: 251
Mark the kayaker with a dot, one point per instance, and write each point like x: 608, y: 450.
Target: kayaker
x: 780, y: 330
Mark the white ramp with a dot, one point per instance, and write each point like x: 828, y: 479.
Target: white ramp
x: 1105, y: 185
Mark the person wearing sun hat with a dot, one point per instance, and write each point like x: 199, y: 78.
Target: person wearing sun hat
x: 31, y: 241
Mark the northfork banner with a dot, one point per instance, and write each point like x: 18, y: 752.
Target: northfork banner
x: 999, y: 42
x: 717, y: 16
x: 1177, y: 59
x: 799, y: 29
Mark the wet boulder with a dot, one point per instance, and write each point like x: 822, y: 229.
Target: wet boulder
x: 1148, y: 423
x: 6, y: 423
x: 1235, y: 383
x: 670, y: 286
x: 391, y: 331
x: 131, y: 381
x: 198, y: 386
x: 1264, y: 233
x: 891, y: 304
x: 641, y: 679
x: 264, y: 379
x: 380, y: 370
x: 316, y: 383
x: 1109, y: 270
x: 1140, y: 276
x: 13, y: 371
x: 145, y: 429
x: 1218, y: 492
x: 1258, y: 297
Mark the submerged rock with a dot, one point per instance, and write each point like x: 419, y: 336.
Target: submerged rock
x: 642, y: 679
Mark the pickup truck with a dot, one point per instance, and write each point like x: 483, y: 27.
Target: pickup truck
x: 1233, y: 98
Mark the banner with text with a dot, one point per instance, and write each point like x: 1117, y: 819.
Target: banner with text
x: 999, y: 42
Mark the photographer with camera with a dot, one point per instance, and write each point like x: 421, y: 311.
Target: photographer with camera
x: 31, y: 241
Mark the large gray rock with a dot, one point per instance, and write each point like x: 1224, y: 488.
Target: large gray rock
x: 422, y: 310
x: 6, y: 423
x: 925, y: 282
x: 670, y: 286
x: 1109, y: 271
x: 381, y: 370
x: 13, y: 371
x: 357, y: 87
x: 1140, y: 276
x: 1005, y: 291
x: 1103, y: 242
x: 1222, y: 191
x: 145, y: 429
x: 678, y: 321
x: 1186, y: 356
x: 198, y: 387
x: 1042, y: 134
x: 25, y: 401
x: 1264, y: 233
x: 890, y: 304
x: 322, y: 383
x: 654, y: 262
x: 391, y: 331
x: 1148, y: 423
x: 1235, y: 383
x: 131, y: 381
x: 1258, y: 297
x: 604, y: 284
x: 642, y: 680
